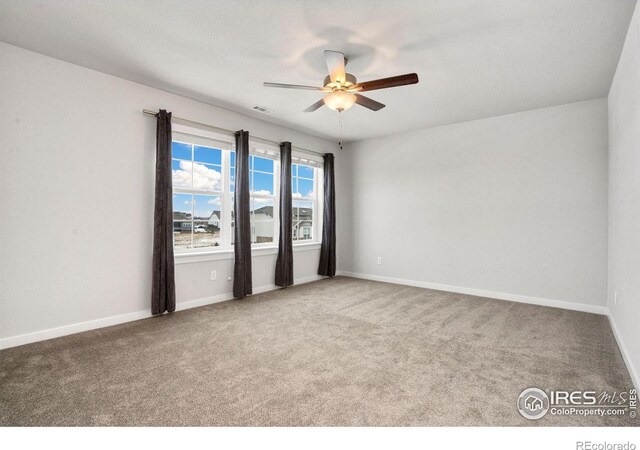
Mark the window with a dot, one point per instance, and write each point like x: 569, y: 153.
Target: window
x: 263, y: 190
x: 305, y: 204
x: 197, y: 192
x: 262, y: 203
x: 204, y: 170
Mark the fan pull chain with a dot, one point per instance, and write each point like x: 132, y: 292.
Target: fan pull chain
x: 340, y: 129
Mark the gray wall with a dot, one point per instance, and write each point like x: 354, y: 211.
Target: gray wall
x: 515, y: 204
x: 76, y: 195
x: 624, y: 199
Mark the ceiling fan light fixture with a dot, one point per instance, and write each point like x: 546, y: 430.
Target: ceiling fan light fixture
x: 340, y: 100
x: 341, y: 86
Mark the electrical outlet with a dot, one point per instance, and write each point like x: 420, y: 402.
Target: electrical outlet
x: 379, y: 259
x: 615, y: 297
x: 214, y: 275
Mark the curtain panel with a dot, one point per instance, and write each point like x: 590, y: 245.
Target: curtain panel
x: 327, y: 266
x: 242, y: 283
x: 284, y: 263
x: 163, y: 291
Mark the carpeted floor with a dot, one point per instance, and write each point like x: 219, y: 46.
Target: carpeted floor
x: 333, y: 352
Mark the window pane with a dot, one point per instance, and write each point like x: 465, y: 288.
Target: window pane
x: 206, y: 225
x: 305, y: 171
x: 262, y: 208
x: 302, y: 210
x: 305, y: 188
x: 232, y: 180
x: 261, y: 220
x: 182, y: 206
x: 302, y: 230
x: 305, y: 232
x: 206, y: 177
x: 181, y: 151
x: 205, y: 206
x: 181, y: 173
x: 294, y: 170
x: 262, y: 231
x: 294, y: 187
x: 182, y: 234
x: 207, y: 155
x: 233, y: 159
x: 262, y: 183
x: 233, y: 223
x: 263, y: 164
x: 296, y: 229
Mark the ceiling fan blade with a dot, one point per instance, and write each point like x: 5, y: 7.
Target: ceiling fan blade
x: 293, y: 86
x: 368, y: 103
x: 383, y: 83
x: 315, y: 106
x: 335, y: 65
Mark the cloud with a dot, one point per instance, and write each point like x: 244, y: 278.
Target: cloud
x: 297, y: 195
x: 214, y: 201
x: 258, y: 202
x: 204, y: 178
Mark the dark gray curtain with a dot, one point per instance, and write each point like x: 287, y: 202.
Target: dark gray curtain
x: 242, y: 217
x: 327, y: 265
x: 163, y: 291
x: 284, y: 264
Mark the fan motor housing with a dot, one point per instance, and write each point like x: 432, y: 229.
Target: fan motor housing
x: 350, y: 80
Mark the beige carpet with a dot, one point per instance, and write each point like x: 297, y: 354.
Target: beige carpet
x: 332, y: 352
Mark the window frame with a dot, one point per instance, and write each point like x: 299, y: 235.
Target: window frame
x: 188, y: 137
x: 316, y: 163
x: 261, y: 152
x: 225, y: 143
x: 265, y: 152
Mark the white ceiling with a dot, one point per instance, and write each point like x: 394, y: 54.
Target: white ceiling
x: 474, y: 58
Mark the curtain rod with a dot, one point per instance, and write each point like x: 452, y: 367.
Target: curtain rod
x: 231, y: 132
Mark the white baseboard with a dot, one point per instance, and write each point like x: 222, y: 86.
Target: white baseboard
x: 51, y: 333
x: 42, y: 335
x: 482, y: 293
x: 625, y: 354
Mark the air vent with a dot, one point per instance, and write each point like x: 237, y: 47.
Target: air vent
x: 262, y: 109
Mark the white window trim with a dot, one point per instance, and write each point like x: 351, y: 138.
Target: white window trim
x: 197, y: 136
x: 220, y: 255
x: 225, y: 143
x: 318, y: 187
x: 269, y: 152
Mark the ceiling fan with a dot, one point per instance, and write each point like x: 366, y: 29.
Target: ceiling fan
x: 342, y: 88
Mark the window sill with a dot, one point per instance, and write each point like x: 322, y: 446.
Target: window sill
x: 218, y: 255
